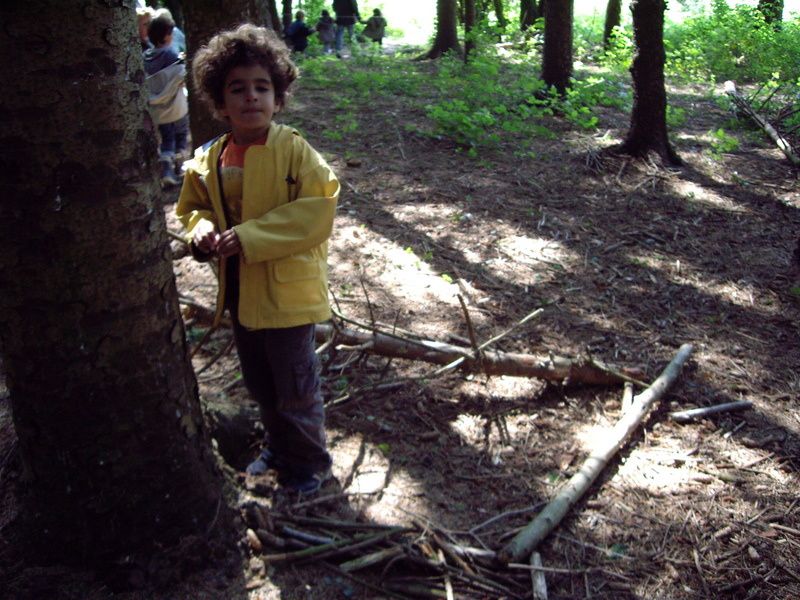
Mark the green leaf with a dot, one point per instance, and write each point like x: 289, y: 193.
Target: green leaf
x: 385, y: 448
x: 795, y: 291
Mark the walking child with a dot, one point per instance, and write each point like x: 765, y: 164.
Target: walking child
x: 298, y: 32
x: 262, y: 200
x: 166, y: 75
x: 375, y: 27
x: 326, y: 28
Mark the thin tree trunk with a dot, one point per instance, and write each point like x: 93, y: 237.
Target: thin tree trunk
x: 648, y: 131
x: 287, y: 14
x: 204, y: 19
x: 115, y: 455
x: 272, y: 11
x: 613, y: 19
x: 557, y: 53
x: 446, y: 39
x: 469, y: 28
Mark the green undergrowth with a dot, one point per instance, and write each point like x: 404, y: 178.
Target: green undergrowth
x: 491, y: 100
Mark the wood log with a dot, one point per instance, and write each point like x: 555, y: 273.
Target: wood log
x: 529, y: 538
x: 492, y: 362
x: 742, y: 104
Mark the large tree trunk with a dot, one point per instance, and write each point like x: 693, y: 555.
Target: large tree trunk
x: 649, y: 117
x: 557, y: 53
x: 613, y: 19
x: 115, y: 455
x: 446, y: 39
x: 528, y: 13
x: 203, y: 19
x: 772, y: 11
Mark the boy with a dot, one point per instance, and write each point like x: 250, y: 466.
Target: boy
x: 298, y: 32
x: 263, y: 200
x: 165, y: 82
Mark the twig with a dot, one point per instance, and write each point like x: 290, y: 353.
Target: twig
x: 509, y: 513
x: 683, y: 416
x: 538, y: 582
x: 374, y: 558
x: 703, y: 581
x: 470, y: 328
x: 333, y: 548
x: 222, y: 352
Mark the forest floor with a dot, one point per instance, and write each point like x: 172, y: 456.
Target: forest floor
x: 629, y: 260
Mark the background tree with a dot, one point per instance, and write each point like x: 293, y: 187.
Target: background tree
x: 557, y: 52
x: 613, y: 18
x: 446, y: 39
x: 528, y: 13
x: 648, y: 129
x: 114, y: 452
x: 500, y: 14
x: 772, y: 11
x: 202, y: 19
x: 287, y: 14
x: 469, y: 28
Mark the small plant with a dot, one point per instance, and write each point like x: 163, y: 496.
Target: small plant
x: 722, y: 143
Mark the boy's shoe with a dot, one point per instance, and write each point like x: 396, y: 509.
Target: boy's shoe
x: 265, y: 461
x: 307, y: 484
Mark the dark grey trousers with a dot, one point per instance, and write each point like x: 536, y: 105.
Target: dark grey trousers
x: 281, y: 372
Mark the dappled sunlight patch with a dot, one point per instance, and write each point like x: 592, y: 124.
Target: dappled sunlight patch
x: 704, y: 197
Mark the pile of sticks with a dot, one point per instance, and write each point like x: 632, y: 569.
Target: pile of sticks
x: 420, y: 560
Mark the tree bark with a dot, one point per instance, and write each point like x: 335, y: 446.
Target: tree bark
x: 613, y: 19
x: 648, y: 131
x: 446, y: 39
x: 272, y: 11
x: 115, y: 455
x: 469, y: 28
x: 204, y: 19
x: 557, y: 52
x: 528, y: 13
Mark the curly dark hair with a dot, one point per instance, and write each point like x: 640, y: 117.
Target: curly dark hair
x: 244, y: 46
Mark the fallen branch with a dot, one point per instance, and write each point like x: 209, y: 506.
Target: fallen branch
x: 538, y: 582
x: 551, y: 368
x: 697, y: 413
x: 529, y: 538
x: 744, y: 106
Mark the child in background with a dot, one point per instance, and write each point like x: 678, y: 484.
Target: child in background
x: 326, y: 28
x: 167, y: 96
x: 375, y: 27
x: 298, y: 32
x: 262, y: 200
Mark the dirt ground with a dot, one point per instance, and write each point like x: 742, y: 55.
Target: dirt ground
x: 630, y: 260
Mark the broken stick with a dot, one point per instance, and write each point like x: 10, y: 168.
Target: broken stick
x: 529, y: 538
x: 696, y: 413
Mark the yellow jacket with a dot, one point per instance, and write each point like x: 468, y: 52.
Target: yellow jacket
x: 288, y: 204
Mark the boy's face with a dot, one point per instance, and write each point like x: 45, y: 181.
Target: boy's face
x: 248, y: 102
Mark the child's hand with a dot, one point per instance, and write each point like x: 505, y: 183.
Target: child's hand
x: 228, y: 244
x: 206, y: 239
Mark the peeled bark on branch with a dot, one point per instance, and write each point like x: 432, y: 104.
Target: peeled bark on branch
x: 529, y: 538
x: 550, y: 368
